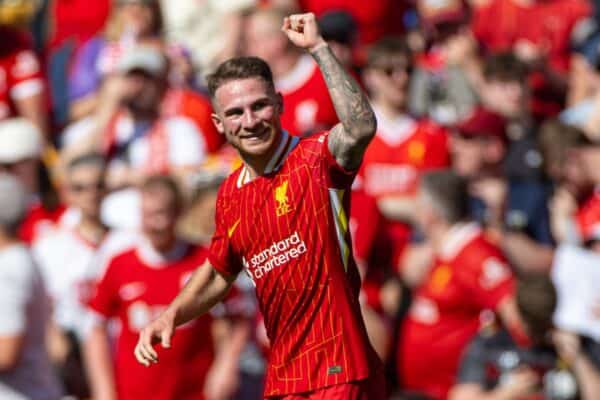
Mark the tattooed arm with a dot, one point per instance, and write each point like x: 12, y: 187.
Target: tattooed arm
x: 348, y: 139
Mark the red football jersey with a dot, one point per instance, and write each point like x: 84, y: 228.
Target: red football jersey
x: 136, y: 287
x: 289, y: 230
x: 20, y: 71
x: 587, y: 218
x: 469, y: 276
x: 401, y: 151
x: 307, y: 106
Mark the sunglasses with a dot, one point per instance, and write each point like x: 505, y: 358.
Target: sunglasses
x: 389, y: 70
x: 83, y: 187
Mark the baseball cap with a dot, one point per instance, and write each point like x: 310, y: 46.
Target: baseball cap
x: 145, y: 58
x: 437, y: 12
x: 13, y: 201
x: 483, y: 123
x: 19, y: 139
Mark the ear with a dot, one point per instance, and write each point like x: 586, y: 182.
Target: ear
x: 218, y: 123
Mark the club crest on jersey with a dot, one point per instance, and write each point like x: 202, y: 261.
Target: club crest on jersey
x: 283, y: 205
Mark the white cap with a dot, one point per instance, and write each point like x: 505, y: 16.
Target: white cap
x: 19, y: 139
x: 13, y: 201
x: 145, y: 58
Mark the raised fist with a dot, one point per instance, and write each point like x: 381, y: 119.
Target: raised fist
x: 303, y: 31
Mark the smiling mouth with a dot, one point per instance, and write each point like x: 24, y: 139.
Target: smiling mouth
x: 256, y: 136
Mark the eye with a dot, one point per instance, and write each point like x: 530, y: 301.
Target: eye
x: 234, y: 112
x: 259, y: 105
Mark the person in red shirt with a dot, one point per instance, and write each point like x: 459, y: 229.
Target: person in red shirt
x: 401, y: 151
x: 282, y: 217
x: 307, y: 106
x: 22, y: 86
x: 469, y: 275
x: 137, y: 285
x: 540, y: 33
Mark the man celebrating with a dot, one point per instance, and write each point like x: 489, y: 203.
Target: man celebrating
x: 282, y: 217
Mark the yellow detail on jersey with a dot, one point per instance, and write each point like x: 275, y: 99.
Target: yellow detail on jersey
x: 283, y: 205
x: 440, y: 278
x: 232, y: 229
x: 416, y: 151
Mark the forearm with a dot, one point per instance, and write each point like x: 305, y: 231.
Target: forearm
x: 588, y: 377
x: 472, y: 391
x: 526, y: 254
x: 351, y: 104
x: 98, y: 362
x: 205, y: 289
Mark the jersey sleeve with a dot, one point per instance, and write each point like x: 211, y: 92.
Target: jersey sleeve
x: 338, y: 177
x: 16, y: 284
x: 25, y: 75
x: 488, y: 278
x: 220, y: 254
x: 105, y: 300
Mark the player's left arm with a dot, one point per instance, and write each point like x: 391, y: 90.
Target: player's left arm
x: 349, y: 139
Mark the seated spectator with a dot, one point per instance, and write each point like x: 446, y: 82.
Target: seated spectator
x: 21, y: 144
x: 307, y: 105
x: 498, y: 365
x: 443, y: 84
x: 25, y: 371
x: 129, y: 128
x: 136, y: 286
x: 514, y: 210
x: 131, y: 23
x: 545, y: 45
x: 469, y: 275
x: 22, y: 86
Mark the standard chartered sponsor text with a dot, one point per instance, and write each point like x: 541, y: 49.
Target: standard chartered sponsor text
x: 276, y: 255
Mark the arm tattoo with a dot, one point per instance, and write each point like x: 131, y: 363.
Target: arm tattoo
x: 348, y: 140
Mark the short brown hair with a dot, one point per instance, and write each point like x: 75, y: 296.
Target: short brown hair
x: 449, y: 193
x: 556, y: 138
x: 387, y: 47
x: 505, y: 67
x: 164, y: 182
x: 240, y: 68
x: 536, y: 300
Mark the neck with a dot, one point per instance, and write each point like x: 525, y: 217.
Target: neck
x: 166, y: 245
x: 388, y: 110
x: 284, y: 64
x: 257, y: 165
x: 438, y: 234
x: 91, y: 229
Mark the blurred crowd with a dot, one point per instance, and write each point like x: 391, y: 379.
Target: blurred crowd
x: 475, y: 214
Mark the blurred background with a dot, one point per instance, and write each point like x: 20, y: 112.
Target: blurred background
x: 482, y: 284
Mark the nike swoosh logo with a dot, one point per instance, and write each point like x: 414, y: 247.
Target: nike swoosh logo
x: 233, y: 228
x: 132, y: 290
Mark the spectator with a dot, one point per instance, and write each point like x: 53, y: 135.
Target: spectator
x: 506, y: 25
x: 131, y: 23
x: 498, y: 365
x: 137, y: 285
x: 66, y: 258
x: 20, y: 152
x: 25, y: 370
x: 514, y: 209
x: 443, y: 85
x: 402, y: 149
x: 339, y: 29
x: 130, y: 129
x: 22, y: 88
x: 308, y: 107
x: 211, y: 30
x: 469, y: 275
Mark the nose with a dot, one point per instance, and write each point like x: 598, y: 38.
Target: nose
x: 249, y: 120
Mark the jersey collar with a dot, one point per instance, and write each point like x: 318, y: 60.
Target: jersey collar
x: 457, y: 238
x: 285, y: 146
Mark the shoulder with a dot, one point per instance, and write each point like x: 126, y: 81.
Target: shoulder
x: 17, y: 266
